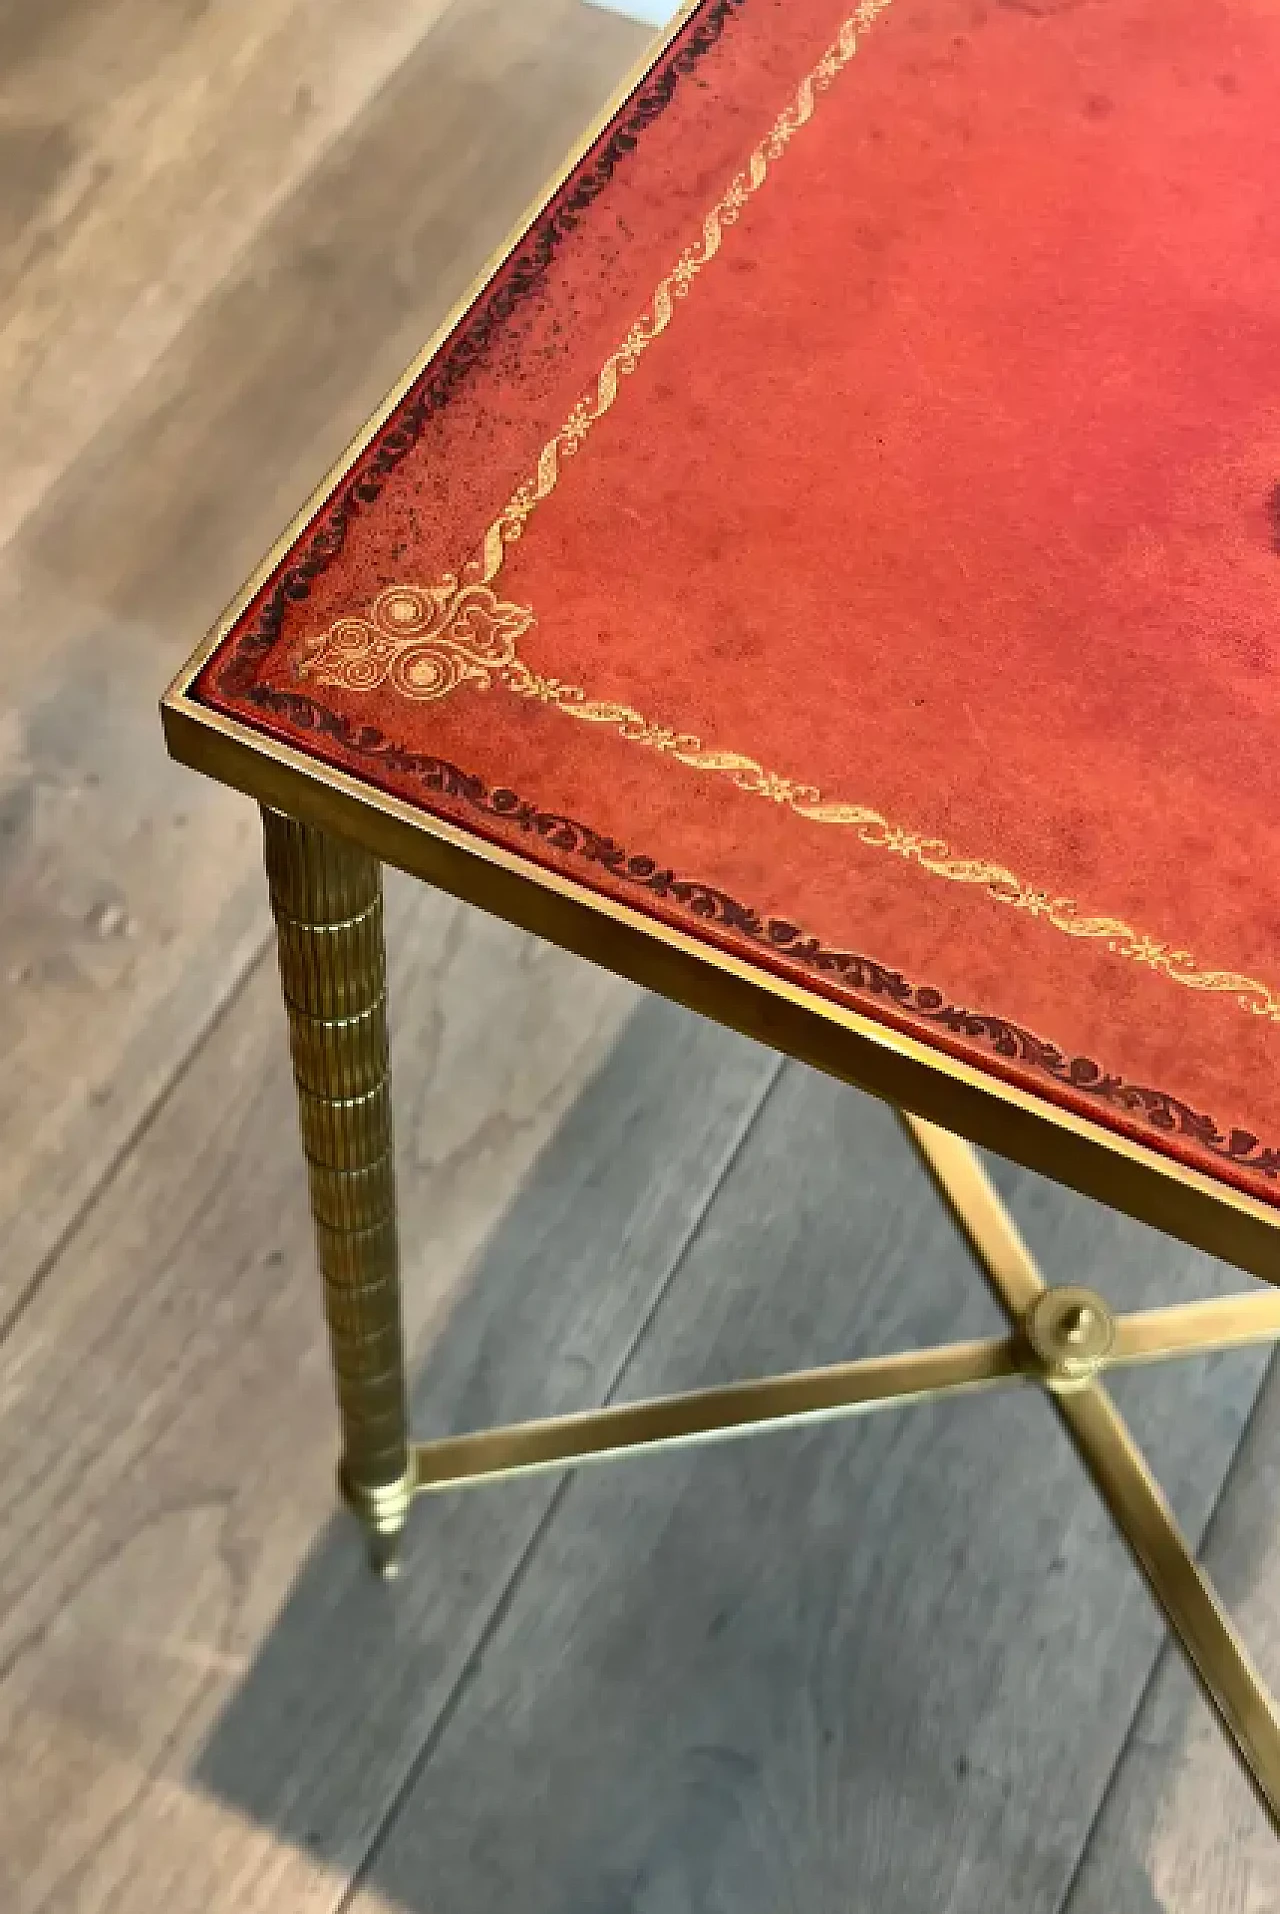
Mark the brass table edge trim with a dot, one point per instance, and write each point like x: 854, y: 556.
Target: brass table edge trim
x: 1075, y: 1150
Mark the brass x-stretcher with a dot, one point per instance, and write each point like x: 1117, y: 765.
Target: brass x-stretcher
x: 1062, y: 1338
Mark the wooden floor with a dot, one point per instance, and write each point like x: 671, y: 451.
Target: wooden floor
x: 899, y: 1666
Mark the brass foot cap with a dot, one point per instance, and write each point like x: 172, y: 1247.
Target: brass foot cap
x: 383, y: 1508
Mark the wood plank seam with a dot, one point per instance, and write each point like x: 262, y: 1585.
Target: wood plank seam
x: 53, y: 1255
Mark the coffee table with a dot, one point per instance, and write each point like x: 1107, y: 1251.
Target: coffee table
x: 828, y: 570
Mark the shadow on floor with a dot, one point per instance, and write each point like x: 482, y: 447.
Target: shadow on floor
x: 714, y: 1689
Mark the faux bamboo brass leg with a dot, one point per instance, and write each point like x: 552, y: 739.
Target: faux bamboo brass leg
x: 326, y: 896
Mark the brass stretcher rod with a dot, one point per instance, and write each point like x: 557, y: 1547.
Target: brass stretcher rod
x: 819, y: 1395
x: 1133, y: 1497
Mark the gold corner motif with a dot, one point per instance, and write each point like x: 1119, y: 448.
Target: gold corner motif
x: 424, y: 640
x: 427, y: 640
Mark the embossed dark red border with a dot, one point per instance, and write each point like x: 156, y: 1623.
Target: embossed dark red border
x: 849, y: 970
x: 437, y: 385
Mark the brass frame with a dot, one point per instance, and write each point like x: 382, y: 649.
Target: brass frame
x: 327, y: 900
x: 326, y: 896
x: 1119, y: 1171
x: 326, y: 835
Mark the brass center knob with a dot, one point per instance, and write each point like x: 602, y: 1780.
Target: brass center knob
x: 1070, y: 1332
x: 1077, y: 1321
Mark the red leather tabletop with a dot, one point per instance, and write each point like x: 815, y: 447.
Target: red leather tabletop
x: 847, y: 527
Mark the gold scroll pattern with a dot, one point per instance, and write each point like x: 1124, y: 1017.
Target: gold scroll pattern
x: 339, y: 651
x: 931, y: 854
x: 511, y: 521
x: 426, y: 640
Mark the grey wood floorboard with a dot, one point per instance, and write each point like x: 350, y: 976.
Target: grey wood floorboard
x: 342, y: 288
x: 131, y: 898
x: 168, y: 1428
x: 883, y: 1666
x: 1180, y: 1832
x: 140, y: 148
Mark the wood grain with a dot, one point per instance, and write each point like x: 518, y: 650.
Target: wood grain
x: 168, y: 1426
x: 144, y: 146
x: 132, y: 895
x: 885, y: 1665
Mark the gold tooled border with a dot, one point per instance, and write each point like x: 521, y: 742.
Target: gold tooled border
x: 426, y: 640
